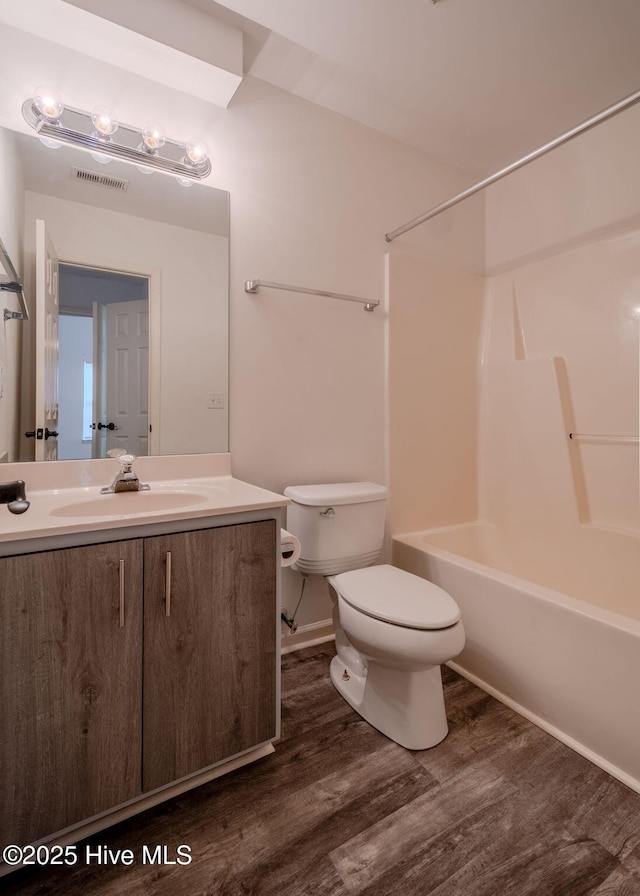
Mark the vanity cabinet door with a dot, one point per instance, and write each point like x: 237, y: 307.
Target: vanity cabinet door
x: 210, y: 647
x: 70, y: 686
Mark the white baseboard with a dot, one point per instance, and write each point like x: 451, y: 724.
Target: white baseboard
x: 307, y: 636
x: 551, y: 729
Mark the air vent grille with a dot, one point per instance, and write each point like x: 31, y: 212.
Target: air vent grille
x: 100, y: 180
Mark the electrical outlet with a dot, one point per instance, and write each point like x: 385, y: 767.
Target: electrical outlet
x: 215, y: 400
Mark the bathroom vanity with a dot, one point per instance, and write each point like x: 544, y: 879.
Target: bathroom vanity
x: 140, y: 648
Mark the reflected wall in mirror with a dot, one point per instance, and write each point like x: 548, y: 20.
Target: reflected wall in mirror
x: 136, y: 267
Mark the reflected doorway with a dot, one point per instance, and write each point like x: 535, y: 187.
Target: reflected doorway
x: 103, y: 362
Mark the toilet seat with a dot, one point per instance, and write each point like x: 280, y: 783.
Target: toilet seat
x: 398, y: 597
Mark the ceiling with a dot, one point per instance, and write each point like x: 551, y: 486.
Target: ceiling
x: 475, y: 83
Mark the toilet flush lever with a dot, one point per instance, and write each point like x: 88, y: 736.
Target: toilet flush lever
x: 328, y: 512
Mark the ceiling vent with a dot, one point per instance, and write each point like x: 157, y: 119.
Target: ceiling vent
x: 100, y: 180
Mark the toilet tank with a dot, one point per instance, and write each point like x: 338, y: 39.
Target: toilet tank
x: 340, y: 526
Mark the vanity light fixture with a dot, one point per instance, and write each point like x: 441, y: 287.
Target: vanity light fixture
x: 104, y: 137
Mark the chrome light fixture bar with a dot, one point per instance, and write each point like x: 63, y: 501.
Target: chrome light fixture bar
x: 78, y: 128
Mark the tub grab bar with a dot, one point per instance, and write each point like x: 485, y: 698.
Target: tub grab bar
x: 603, y: 437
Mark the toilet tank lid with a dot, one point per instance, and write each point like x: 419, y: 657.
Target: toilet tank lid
x: 336, y: 493
x: 394, y: 595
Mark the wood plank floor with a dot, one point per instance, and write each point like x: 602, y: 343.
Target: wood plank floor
x: 499, y: 807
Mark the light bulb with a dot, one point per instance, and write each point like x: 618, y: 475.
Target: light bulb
x: 197, y: 152
x: 185, y: 182
x: 153, y: 137
x: 48, y: 103
x: 104, y: 121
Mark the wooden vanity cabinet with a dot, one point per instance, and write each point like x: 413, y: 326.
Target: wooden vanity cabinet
x: 209, y: 655
x: 129, y: 665
x: 70, y: 686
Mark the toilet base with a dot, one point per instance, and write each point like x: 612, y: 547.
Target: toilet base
x: 404, y: 704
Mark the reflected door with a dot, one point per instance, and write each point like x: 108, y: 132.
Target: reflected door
x: 127, y: 378
x: 46, y: 410
x: 99, y: 436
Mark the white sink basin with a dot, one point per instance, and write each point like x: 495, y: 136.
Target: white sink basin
x: 130, y: 503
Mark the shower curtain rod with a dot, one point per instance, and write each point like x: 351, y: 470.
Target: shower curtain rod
x: 530, y: 157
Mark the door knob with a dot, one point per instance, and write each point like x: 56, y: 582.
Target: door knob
x: 50, y: 434
x: 110, y: 426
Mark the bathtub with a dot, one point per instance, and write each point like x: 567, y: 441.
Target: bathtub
x: 570, y: 666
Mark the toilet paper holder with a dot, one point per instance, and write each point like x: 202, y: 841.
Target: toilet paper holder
x: 290, y: 548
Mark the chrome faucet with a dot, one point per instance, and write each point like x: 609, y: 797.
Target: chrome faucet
x: 14, y: 496
x: 126, y: 480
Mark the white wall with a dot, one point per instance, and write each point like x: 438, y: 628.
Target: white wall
x: 312, y: 195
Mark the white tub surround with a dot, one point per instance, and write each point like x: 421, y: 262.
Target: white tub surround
x: 569, y: 666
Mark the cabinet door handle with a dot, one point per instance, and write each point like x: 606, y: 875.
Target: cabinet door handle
x: 122, y: 562
x: 167, y: 584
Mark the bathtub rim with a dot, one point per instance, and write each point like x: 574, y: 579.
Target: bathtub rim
x: 618, y: 622
x: 418, y: 541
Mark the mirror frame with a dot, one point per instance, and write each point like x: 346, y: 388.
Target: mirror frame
x: 218, y: 381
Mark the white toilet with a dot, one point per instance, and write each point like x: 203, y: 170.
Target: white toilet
x: 393, y: 629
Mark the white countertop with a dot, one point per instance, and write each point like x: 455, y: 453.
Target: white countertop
x: 81, y: 508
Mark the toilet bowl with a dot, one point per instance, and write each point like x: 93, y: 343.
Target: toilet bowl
x: 393, y: 629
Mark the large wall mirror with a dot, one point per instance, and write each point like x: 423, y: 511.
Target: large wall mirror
x: 135, y: 267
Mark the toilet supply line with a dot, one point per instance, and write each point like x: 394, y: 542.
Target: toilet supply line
x: 290, y: 621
